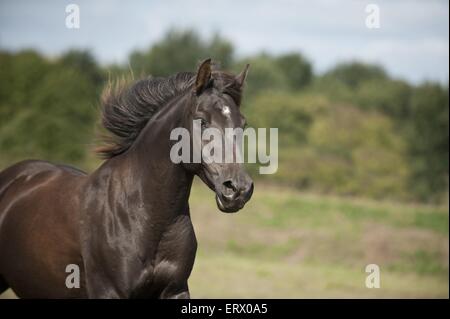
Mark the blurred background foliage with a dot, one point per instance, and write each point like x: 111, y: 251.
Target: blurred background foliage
x: 352, y: 131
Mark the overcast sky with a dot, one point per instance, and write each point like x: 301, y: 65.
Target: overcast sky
x: 412, y: 42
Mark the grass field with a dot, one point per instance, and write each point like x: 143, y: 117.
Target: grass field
x: 295, y: 245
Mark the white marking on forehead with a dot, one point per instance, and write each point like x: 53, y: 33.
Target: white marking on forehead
x: 226, y: 110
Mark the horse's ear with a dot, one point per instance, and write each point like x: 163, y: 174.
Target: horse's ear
x: 240, y: 79
x: 203, y: 76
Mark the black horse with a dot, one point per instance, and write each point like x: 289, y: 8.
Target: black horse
x: 127, y: 225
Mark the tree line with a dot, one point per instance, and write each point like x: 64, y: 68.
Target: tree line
x: 354, y: 130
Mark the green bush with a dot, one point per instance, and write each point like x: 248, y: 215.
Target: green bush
x: 333, y: 148
x: 51, y: 111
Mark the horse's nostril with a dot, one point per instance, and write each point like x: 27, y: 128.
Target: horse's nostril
x: 229, y: 184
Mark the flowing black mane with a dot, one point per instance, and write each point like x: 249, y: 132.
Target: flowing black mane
x: 126, y: 109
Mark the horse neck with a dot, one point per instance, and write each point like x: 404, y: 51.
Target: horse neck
x: 165, y: 184
x: 145, y: 186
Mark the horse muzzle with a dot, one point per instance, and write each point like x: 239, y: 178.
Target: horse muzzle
x: 232, y: 196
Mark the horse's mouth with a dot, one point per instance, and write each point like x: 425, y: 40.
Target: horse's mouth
x: 228, y: 198
x: 231, y: 207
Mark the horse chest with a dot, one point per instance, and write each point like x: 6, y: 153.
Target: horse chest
x: 173, y: 259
